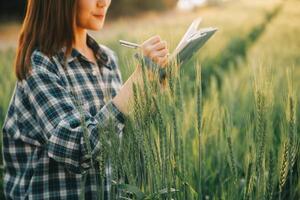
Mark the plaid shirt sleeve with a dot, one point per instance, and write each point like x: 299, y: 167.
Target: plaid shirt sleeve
x: 57, y: 114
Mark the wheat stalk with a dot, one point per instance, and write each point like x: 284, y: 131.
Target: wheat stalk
x: 199, y: 123
x: 176, y: 134
x: 292, y: 126
x: 162, y: 140
x: 179, y: 97
x: 269, y: 186
x: 249, y: 180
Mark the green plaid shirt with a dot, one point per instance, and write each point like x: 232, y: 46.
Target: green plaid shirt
x: 45, y: 156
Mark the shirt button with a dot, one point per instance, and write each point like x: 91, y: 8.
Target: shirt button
x: 94, y: 72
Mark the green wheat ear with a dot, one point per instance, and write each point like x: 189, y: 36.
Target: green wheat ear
x: 232, y: 162
x: 261, y: 125
x: 269, y: 185
x: 284, y: 166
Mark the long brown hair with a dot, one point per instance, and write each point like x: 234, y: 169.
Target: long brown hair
x: 48, y: 26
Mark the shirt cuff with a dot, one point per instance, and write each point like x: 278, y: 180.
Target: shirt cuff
x: 107, y: 112
x: 110, y: 111
x: 118, y: 114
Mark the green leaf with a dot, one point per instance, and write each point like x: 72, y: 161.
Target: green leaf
x: 162, y: 192
x: 133, y: 190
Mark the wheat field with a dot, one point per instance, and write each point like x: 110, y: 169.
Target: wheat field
x: 227, y: 124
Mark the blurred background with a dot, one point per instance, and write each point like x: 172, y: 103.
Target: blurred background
x: 12, y: 13
x: 16, y: 9
x: 252, y: 34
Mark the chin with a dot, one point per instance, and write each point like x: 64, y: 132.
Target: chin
x: 96, y: 27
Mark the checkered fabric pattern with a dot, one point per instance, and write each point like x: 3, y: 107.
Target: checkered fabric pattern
x: 44, y: 151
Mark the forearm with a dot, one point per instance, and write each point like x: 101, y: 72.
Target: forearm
x: 157, y: 51
x: 124, y: 99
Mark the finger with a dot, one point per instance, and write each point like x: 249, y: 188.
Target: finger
x: 148, y: 45
x: 157, y: 57
x: 160, y: 60
x: 146, y: 50
x: 153, y: 40
x: 160, y: 45
x: 161, y: 53
x: 163, y: 61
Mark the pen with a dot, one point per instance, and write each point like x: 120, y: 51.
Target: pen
x: 129, y: 44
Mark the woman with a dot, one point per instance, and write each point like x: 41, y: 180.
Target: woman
x: 60, y: 67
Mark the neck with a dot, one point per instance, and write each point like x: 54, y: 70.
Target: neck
x: 80, y: 40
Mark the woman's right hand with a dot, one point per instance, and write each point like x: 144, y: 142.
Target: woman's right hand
x: 156, y: 49
x: 153, y: 48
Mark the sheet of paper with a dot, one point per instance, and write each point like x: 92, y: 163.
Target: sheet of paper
x: 194, y: 45
x: 191, y: 30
